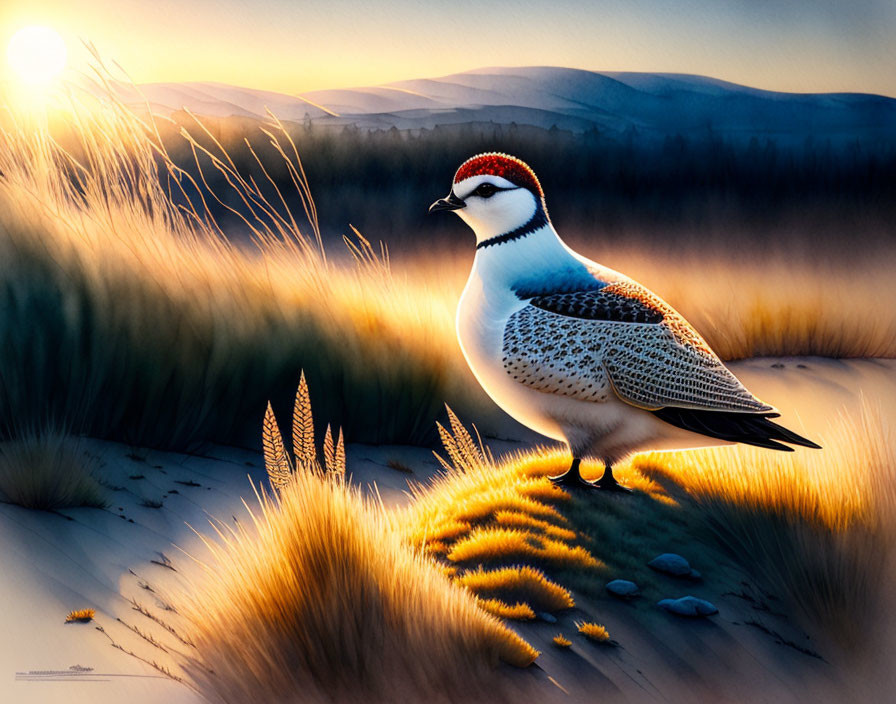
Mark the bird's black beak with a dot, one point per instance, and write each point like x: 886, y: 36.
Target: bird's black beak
x: 452, y: 202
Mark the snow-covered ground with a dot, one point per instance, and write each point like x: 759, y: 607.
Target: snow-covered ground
x: 51, y: 563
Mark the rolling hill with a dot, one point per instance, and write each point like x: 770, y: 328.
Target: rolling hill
x: 650, y: 104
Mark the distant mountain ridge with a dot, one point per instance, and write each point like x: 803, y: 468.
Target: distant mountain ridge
x: 655, y: 105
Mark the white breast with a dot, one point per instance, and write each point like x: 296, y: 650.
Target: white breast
x: 482, y: 315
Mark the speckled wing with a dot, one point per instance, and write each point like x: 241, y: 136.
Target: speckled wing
x: 619, y: 339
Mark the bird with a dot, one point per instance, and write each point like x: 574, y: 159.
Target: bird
x: 581, y: 353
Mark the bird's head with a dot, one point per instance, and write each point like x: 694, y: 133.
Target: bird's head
x: 495, y: 194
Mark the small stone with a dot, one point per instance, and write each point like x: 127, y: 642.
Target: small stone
x: 545, y: 616
x: 689, y: 606
x: 695, y: 575
x: 670, y: 563
x: 623, y: 588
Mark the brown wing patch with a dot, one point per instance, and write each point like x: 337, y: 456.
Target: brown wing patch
x: 607, y: 304
x: 680, y: 327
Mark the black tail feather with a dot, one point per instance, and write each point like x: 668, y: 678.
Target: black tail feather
x: 750, y: 428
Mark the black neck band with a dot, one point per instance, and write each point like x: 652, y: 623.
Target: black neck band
x: 538, y: 220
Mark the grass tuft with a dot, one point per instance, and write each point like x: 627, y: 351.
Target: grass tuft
x: 594, y: 631
x: 516, y: 612
x: 520, y: 519
x: 80, y: 616
x: 281, y: 468
x: 524, y: 584
x: 501, y: 514
x: 447, y: 532
x: 503, y: 499
x: 324, y: 598
x: 49, y: 470
x: 489, y: 545
x: 560, y: 641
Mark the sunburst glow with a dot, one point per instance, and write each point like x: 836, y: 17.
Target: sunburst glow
x: 37, y: 55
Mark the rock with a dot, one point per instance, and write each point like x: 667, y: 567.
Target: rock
x: 689, y: 606
x: 670, y: 563
x: 695, y: 575
x: 623, y: 588
x: 545, y: 616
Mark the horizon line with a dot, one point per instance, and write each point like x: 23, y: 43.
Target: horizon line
x: 603, y: 72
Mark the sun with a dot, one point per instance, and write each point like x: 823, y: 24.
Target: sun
x: 37, y: 54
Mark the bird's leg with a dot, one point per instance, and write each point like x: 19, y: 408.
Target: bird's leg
x: 572, y: 478
x: 608, y: 482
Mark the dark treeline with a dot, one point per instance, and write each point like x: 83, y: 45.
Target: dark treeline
x: 383, y: 181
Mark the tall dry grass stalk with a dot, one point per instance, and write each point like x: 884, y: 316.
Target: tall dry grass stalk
x: 817, y: 528
x: 130, y: 315
x: 281, y: 468
x: 321, y: 600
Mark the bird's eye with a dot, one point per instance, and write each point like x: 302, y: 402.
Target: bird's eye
x: 486, y: 190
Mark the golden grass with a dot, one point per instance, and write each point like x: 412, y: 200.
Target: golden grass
x: 524, y: 584
x: 437, y: 547
x: 560, y: 641
x: 80, y: 616
x: 446, y: 532
x: 109, y: 239
x: 48, y: 470
x: 474, y: 494
x: 501, y: 514
x: 320, y: 596
x: 814, y: 529
x: 817, y: 527
x: 515, y: 612
x: 594, y: 631
x: 504, y: 500
x: 488, y: 545
x: 784, y: 302
x: 844, y: 483
x: 520, y: 519
x: 542, y: 490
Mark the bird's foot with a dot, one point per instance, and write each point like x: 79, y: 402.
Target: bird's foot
x: 572, y: 480
x: 609, y: 483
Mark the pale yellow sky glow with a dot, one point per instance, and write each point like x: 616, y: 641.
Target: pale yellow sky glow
x: 282, y: 45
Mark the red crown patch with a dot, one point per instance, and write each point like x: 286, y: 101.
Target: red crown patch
x: 514, y: 170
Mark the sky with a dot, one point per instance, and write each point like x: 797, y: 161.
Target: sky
x: 293, y: 46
